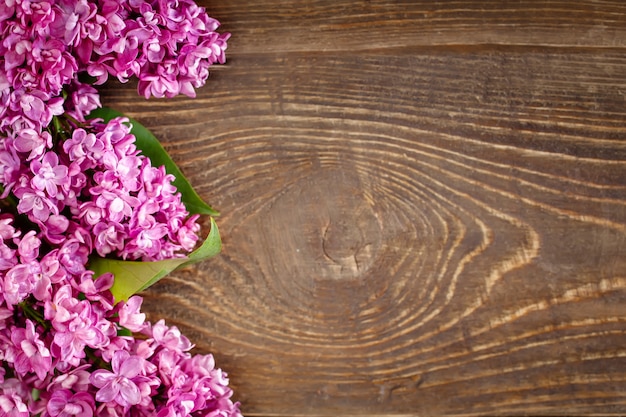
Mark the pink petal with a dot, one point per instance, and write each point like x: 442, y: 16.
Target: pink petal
x: 101, y: 377
x: 129, y: 392
x: 108, y: 392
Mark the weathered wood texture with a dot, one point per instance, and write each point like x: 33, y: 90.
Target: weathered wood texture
x: 424, y: 206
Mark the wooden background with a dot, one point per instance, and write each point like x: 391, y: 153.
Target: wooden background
x: 423, y: 206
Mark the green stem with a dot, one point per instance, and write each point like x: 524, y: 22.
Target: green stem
x: 33, y: 314
x: 10, y: 199
x: 97, y: 361
x: 56, y: 122
x: 74, y: 121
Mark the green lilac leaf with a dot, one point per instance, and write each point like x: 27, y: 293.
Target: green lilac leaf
x: 123, y: 331
x: 132, y: 277
x: 152, y: 148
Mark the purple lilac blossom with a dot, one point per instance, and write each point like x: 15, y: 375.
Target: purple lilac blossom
x: 68, y: 350
x: 167, y: 45
x: 128, y: 207
x: 66, y: 347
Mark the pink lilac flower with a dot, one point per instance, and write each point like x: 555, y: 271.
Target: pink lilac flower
x: 83, y: 188
x: 83, y: 99
x: 192, y: 381
x: 28, y: 247
x: 95, y: 289
x: 13, y: 399
x: 20, y: 281
x: 49, y: 175
x: 7, y: 250
x: 76, y: 380
x: 130, y: 316
x: 168, y: 45
x: 131, y: 208
x: 10, y: 166
x: 36, y: 203
x: 7, y: 257
x: 65, y: 403
x: 169, y: 337
x: 32, y: 142
x: 28, y: 353
x: 73, y: 252
x: 125, y: 384
x: 77, y: 326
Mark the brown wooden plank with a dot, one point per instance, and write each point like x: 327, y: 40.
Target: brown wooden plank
x: 305, y: 25
x: 414, y: 230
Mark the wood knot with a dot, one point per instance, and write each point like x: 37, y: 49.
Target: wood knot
x: 323, y: 227
x: 347, y: 246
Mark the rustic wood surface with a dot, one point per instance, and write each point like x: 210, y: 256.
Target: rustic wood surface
x: 423, y: 206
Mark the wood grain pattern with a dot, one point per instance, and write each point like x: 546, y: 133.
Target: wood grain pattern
x: 423, y: 207
x: 344, y: 25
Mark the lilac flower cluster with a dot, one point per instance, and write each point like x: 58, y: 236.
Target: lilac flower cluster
x: 96, y: 184
x: 68, y: 350
x: 73, y: 188
x: 167, y: 44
